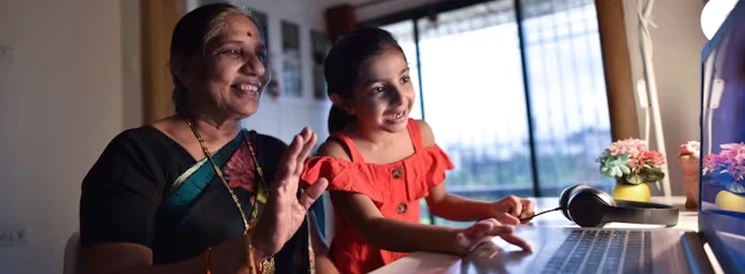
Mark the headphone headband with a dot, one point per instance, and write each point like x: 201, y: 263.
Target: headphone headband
x: 638, y: 212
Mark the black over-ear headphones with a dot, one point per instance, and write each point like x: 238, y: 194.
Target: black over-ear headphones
x: 590, y: 207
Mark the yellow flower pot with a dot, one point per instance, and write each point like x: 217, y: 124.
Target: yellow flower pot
x: 729, y: 201
x: 629, y: 192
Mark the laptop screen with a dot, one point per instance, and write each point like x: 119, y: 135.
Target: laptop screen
x: 722, y: 185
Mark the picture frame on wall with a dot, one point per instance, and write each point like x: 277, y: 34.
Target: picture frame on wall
x: 320, y: 45
x: 292, y: 79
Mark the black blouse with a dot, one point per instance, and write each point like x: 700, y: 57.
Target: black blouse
x: 124, y: 192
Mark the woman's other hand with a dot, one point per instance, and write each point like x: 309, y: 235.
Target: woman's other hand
x: 285, y: 212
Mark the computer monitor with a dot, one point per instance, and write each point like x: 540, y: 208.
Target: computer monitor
x: 722, y: 184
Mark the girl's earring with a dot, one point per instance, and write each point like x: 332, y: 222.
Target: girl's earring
x: 349, y: 109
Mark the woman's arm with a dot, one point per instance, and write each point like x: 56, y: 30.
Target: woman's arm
x: 125, y: 258
x: 324, y: 264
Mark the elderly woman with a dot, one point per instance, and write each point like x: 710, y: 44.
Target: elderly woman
x: 194, y: 192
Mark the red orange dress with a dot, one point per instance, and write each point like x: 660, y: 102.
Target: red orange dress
x: 395, y: 188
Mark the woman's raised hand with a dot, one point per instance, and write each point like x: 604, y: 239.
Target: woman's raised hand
x: 285, y: 211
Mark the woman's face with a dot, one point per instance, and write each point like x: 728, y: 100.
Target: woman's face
x: 383, y: 96
x: 230, y: 79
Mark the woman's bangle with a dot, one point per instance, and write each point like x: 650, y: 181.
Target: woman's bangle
x: 252, y: 260
x: 207, y: 260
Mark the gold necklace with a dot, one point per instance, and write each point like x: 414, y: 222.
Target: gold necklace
x: 267, y: 266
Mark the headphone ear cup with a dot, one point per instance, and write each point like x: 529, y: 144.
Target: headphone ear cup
x: 566, y: 194
x: 587, y: 207
x: 607, y: 198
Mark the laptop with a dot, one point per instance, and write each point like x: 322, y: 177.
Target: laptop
x: 721, y: 212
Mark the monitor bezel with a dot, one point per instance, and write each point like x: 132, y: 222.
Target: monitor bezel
x: 724, y: 258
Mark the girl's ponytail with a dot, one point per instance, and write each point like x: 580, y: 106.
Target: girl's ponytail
x: 339, y: 119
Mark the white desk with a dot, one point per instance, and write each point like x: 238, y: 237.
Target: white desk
x: 425, y: 262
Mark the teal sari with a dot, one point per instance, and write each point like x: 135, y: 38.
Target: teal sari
x: 188, y: 187
x: 199, y: 208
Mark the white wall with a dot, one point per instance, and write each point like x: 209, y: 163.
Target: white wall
x: 678, y: 41
x: 61, y: 101
x: 131, y: 63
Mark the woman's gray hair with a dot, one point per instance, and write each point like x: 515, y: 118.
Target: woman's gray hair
x: 191, y: 36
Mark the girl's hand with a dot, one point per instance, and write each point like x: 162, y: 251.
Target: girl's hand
x: 468, y: 239
x: 514, y: 206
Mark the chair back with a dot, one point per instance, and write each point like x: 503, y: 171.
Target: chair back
x: 328, y: 212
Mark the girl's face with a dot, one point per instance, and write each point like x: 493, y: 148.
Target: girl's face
x: 232, y: 78
x: 383, y: 96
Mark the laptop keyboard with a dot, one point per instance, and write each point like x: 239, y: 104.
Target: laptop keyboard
x: 603, y: 251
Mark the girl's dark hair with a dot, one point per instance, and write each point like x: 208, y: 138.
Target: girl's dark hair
x: 192, y: 34
x: 343, y: 63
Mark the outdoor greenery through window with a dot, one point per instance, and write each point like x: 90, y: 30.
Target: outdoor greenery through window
x: 515, y: 95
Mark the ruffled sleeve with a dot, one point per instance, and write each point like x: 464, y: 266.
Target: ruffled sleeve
x: 439, y: 164
x: 342, y: 175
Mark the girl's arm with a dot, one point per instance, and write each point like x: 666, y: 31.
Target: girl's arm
x: 399, y: 236
x: 392, y: 235
x: 457, y: 208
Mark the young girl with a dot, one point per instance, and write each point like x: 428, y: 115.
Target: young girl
x: 380, y: 163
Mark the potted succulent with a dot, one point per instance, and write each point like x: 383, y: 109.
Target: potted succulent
x: 634, y: 166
